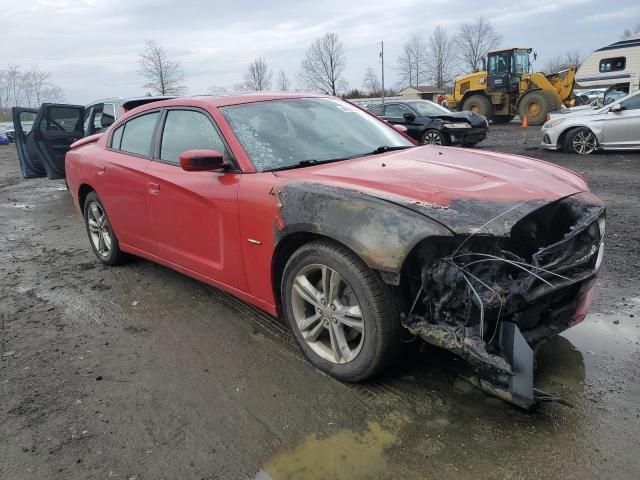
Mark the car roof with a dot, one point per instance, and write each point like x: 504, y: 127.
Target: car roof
x: 120, y: 100
x: 238, y: 98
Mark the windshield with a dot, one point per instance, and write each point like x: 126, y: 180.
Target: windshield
x: 278, y: 134
x: 426, y: 108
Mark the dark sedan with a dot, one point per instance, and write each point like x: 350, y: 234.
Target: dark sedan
x: 428, y: 122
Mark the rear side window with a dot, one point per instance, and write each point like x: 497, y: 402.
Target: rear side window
x: 188, y: 130
x: 97, y: 118
x: 379, y: 110
x: 108, y: 115
x: 137, y: 135
x: 616, y: 64
x: 395, y: 110
x: 116, y: 139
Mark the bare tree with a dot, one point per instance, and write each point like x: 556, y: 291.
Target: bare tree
x: 12, y: 86
x: 216, y: 89
x: 27, y: 88
x: 440, y: 60
x: 284, y: 84
x: 371, y: 83
x: 630, y: 32
x: 475, y: 40
x: 164, y: 74
x: 323, y: 65
x: 412, y: 62
x: 258, y: 76
x: 559, y: 63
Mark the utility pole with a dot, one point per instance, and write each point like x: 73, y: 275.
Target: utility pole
x: 382, y: 58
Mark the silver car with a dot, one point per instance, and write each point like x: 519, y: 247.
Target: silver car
x: 613, y: 127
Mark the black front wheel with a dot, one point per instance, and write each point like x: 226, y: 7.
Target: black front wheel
x: 343, y: 316
x: 434, y: 137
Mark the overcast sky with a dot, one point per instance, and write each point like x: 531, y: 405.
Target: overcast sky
x: 91, y: 46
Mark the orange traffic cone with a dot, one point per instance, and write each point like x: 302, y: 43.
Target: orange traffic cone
x: 525, y: 124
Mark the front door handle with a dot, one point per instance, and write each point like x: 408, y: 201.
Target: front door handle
x: 154, y: 188
x: 100, y: 169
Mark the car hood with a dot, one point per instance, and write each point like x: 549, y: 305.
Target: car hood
x: 579, y: 111
x: 459, y: 188
x: 466, y: 116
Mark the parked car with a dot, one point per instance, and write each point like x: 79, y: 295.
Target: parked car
x: 613, y: 127
x: 9, y: 132
x: 588, y: 96
x: 428, y: 122
x: 313, y: 209
x: 4, y: 140
x: 39, y: 160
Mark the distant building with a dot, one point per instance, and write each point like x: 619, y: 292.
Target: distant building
x: 421, y: 92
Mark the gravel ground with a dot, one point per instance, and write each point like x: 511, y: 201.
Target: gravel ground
x: 140, y: 372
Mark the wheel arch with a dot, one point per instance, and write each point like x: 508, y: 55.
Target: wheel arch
x: 83, y: 191
x: 470, y: 93
x: 286, y: 247
x: 570, y: 128
x: 379, y: 231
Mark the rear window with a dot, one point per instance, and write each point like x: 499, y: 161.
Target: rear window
x: 137, y: 135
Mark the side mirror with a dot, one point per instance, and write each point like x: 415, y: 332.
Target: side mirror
x: 401, y: 128
x: 201, y: 160
x: 409, y: 117
x: 616, y: 108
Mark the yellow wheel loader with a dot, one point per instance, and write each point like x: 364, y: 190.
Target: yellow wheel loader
x: 507, y: 88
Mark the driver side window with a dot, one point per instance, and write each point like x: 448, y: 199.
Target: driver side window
x: 188, y: 130
x: 632, y: 103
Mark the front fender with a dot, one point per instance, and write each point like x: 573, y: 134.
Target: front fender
x: 379, y: 231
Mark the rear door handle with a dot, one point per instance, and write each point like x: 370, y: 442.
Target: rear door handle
x: 100, y: 170
x: 154, y: 188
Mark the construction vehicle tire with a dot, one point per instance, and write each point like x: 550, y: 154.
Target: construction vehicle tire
x: 502, y: 118
x: 478, y: 104
x: 535, y: 105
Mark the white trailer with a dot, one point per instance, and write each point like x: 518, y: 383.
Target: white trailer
x: 615, y: 67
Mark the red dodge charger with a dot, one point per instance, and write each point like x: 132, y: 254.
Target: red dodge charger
x: 313, y: 209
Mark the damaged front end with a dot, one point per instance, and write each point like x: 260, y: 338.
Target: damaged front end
x: 494, y: 299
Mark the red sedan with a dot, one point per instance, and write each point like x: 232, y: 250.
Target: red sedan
x: 313, y: 209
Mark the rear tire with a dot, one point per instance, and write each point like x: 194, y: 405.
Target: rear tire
x: 356, y: 308
x: 536, y: 105
x: 102, y: 238
x: 581, y: 141
x: 478, y: 104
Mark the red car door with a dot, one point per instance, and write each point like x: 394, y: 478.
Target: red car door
x: 195, y: 214
x: 122, y: 183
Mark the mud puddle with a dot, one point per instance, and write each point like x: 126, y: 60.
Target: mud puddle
x: 343, y: 455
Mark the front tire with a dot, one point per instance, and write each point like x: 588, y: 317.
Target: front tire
x: 434, y: 137
x: 581, y: 141
x: 535, y: 105
x: 478, y: 104
x: 344, y: 318
x: 102, y: 238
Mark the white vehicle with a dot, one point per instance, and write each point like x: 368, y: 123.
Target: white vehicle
x: 613, y: 127
x: 590, y: 95
x: 615, y: 67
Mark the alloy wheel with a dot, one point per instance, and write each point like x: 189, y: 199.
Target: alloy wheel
x: 432, y: 138
x: 327, y: 314
x: 99, y: 229
x: 584, y: 142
